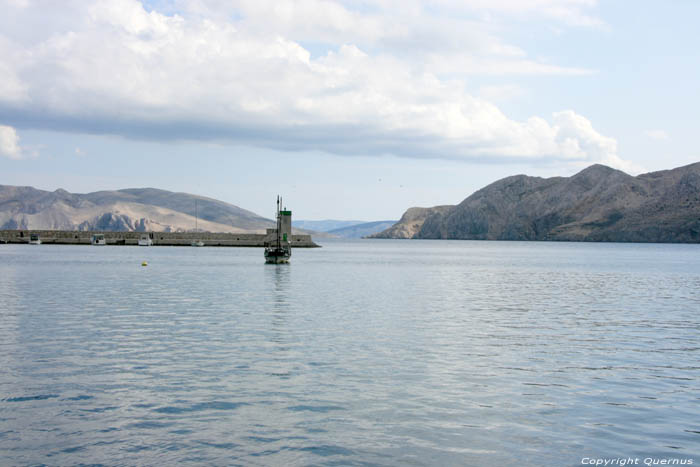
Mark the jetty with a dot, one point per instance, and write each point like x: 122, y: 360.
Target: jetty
x: 80, y: 237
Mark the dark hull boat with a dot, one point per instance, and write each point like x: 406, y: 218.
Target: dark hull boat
x: 277, y: 256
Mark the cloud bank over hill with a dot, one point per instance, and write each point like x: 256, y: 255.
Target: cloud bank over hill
x: 368, y: 78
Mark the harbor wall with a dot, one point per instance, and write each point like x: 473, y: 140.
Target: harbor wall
x: 65, y: 237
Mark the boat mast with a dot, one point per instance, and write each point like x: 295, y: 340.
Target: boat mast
x: 195, y: 215
x: 279, y: 223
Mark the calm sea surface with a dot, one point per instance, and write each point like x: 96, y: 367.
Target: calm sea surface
x: 358, y: 353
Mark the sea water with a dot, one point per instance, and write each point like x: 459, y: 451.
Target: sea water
x: 371, y: 352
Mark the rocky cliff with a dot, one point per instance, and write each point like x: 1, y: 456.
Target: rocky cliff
x: 597, y: 204
x: 411, y: 222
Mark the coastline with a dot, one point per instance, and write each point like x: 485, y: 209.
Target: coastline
x: 74, y: 237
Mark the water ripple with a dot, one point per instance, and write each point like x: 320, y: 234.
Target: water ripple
x: 360, y: 353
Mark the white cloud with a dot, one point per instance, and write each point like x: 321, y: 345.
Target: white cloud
x: 657, y: 134
x: 9, y: 143
x: 577, y: 139
x: 114, y: 67
x: 12, y: 89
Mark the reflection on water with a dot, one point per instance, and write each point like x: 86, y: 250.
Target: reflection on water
x: 277, y: 277
x: 372, y: 352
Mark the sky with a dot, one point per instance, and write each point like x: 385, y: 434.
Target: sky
x: 349, y: 110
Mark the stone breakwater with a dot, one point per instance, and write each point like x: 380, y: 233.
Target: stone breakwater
x: 64, y: 237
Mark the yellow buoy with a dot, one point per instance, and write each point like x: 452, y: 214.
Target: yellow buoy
x: 144, y: 264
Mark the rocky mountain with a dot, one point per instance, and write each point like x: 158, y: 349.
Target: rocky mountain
x: 361, y: 230
x: 411, y: 222
x: 140, y: 209
x: 596, y: 204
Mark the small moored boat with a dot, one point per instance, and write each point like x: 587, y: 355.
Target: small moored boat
x: 98, y: 239
x: 34, y: 239
x: 145, y: 240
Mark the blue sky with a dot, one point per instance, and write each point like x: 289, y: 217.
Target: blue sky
x: 350, y: 110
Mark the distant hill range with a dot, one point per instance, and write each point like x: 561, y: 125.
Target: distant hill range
x: 597, y: 204
x: 139, y: 209
x: 325, y: 225
x: 361, y: 230
x: 344, y: 229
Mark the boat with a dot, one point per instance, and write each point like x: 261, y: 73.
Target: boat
x: 278, y: 250
x: 145, y: 240
x: 34, y: 239
x: 196, y: 242
x: 98, y: 239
